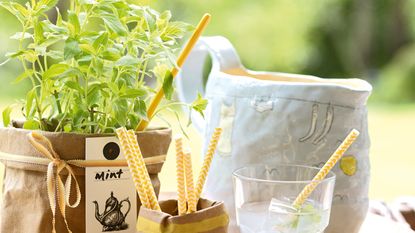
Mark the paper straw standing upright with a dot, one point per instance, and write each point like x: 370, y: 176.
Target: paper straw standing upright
x: 181, y: 190
x: 190, y: 190
x: 207, y: 161
x: 146, y: 182
x: 136, y: 172
x: 308, y: 189
x: 180, y: 61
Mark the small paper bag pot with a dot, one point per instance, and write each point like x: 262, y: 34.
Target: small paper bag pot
x: 25, y: 203
x: 210, y: 217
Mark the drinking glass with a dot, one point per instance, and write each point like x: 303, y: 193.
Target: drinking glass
x: 264, y: 195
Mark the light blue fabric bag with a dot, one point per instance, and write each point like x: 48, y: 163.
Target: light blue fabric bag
x: 274, y: 118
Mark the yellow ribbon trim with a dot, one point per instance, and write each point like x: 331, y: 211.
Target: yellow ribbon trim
x: 148, y: 226
x: 59, y: 193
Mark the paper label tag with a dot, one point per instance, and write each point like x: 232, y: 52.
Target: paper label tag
x: 110, y: 196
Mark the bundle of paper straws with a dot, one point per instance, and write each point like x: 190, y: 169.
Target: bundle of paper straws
x: 138, y: 168
x: 188, y: 193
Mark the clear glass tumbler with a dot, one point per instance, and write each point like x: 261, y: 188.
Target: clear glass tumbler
x: 264, y: 196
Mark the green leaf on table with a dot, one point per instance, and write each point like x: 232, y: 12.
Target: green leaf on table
x: 6, y: 116
x: 168, y: 85
x: 55, y: 70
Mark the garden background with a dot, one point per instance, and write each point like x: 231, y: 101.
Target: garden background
x: 368, y: 39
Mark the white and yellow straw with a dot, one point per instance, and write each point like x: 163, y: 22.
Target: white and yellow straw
x: 308, y: 189
x: 190, y: 190
x: 146, y: 181
x: 206, y: 163
x: 181, y: 191
x: 136, y: 172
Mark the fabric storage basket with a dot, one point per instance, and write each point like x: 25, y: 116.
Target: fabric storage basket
x: 210, y: 217
x: 25, y: 204
x: 274, y: 118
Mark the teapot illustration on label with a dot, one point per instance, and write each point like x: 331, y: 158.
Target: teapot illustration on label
x: 112, y: 219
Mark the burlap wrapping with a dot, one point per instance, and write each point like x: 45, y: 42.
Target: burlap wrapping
x: 25, y: 206
x: 210, y: 217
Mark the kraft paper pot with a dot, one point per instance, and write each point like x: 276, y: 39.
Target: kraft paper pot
x: 25, y: 205
x: 210, y: 217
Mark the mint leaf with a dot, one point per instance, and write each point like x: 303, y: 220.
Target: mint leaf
x: 31, y: 124
x: 6, y: 116
x: 114, y: 24
x: 199, y: 105
x: 168, y: 85
x: 127, y: 60
x: 71, y: 49
x: 22, y: 76
x: 55, y: 70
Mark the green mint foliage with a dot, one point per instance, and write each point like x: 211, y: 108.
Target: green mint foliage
x: 90, y: 69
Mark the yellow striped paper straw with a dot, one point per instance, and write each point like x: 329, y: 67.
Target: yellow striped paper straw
x: 207, y: 161
x: 181, y: 191
x: 190, y: 190
x: 180, y: 61
x: 136, y: 173
x: 308, y: 189
x: 146, y: 182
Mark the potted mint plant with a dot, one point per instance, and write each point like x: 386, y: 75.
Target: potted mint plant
x: 93, y: 69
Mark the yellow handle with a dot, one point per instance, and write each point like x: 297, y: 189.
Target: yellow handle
x: 180, y: 60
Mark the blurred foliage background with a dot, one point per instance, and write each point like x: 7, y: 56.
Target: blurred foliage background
x: 368, y: 39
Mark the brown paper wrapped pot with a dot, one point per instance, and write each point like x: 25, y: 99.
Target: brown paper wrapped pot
x: 25, y: 204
